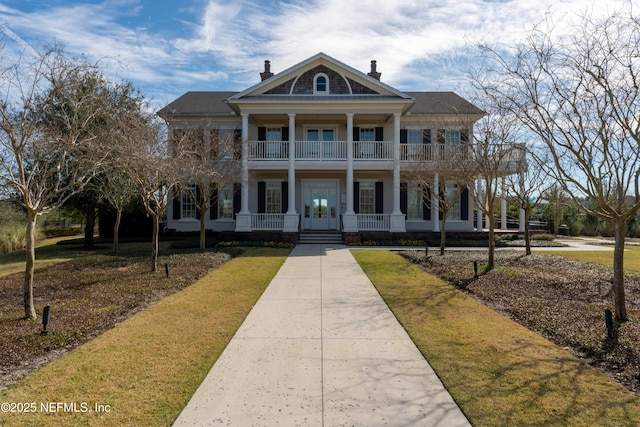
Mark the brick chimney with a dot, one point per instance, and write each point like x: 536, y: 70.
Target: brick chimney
x: 267, y: 71
x: 373, y: 73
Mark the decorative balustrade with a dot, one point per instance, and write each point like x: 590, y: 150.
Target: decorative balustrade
x: 374, y: 222
x: 264, y: 221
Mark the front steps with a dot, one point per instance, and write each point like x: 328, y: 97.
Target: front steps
x: 331, y: 238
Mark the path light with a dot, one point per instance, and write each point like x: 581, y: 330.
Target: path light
x: 608, y: 319
x: 475, y: 269
x: 166, y: 268
x: 426, y: 251
x: 45, y: 320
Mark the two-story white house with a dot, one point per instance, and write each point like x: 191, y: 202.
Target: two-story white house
x: 323, y: 146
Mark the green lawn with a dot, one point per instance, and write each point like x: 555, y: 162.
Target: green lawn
x: 146, y: 369
x: 500, y: 373
x: 631, y: 256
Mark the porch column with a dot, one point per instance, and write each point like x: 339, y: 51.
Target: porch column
x: 397, y: 224
x: 291, y: 217
x: 503, y: 206
x: 479, y: 203
x: 349, y: 218
x: 243, y: 218
x: 435, y: 203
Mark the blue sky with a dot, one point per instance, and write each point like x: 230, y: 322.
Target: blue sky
x: 168, y: 47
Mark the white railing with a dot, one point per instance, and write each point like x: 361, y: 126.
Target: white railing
x: 268, y: 150
x: 264, y: 221
x: 433, y: 152
x: 373, y: 150
x: 380, y: 222
x: 321, y: 150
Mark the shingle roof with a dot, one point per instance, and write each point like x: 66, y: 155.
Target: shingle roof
x: 214, y: 103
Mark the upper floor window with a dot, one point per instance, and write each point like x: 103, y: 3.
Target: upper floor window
x: 415, y: 136
x: 452, y: 136
x: 321, y: 84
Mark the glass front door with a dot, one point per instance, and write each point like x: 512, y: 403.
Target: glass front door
x: 320, y: 206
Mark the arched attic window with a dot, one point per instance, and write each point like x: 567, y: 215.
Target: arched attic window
x: 320, y: 84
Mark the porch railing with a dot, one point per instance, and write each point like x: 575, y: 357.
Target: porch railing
x: 264, y: 221
x: 374, y: 222
x: 321, y: 150
x: 433, y: 152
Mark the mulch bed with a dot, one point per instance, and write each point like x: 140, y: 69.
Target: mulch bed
x: 87, y: 296
x: 561, y: 299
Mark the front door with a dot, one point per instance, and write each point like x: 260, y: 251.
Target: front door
x: 320, y: 206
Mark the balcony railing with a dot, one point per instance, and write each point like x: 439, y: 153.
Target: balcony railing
x: 321, y: 150
x: 264, y: 221
x: 374, y: 222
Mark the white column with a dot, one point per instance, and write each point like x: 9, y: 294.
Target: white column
x: 243, y: 218
x: 349, y: 209
x: 503, y: 206
x: 435, y: 203
x: 349, y: 218
x: 292, y: 166
x: 397, y: 217
x: 291, y: 220
x: 479, y: 203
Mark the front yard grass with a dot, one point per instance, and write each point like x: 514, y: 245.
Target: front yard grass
x: 147, y: 368
x: 631, y: 256
x: 499, y: 372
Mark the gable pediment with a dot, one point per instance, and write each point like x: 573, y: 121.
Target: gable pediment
x: 300, y: 79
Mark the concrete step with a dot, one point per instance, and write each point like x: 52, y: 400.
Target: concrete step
x: 320, y: 238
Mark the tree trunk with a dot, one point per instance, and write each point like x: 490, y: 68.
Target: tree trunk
x: 116, y: 230
x: 618, y: 270
x: 203, y: 233
x: 29, y: 308
x: 492, y: 242
x: 156, y: 242
x: 443, y: 234
x: 527, y: 233
x: 90, y: 224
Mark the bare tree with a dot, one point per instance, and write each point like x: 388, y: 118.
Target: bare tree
x: 153, y: 170
x: 117, y: 187
x: 450, y: 179
x: 492, y: 156
x: 50, y: 147
x: 529, y: 185
x: 205, y: 166
x: 580, y: 94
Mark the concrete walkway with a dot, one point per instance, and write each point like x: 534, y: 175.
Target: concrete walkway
x: 321, y: 348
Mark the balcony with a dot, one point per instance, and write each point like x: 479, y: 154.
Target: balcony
x: 321, y: 150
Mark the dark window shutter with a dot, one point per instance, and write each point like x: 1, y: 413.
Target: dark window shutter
x: 237, y: 144
x: 379, y: 134
x: 198, y: 195
x: 213, y: 205
x: 403, y: 198
x: 426, y: 136
x: 237, y: 197
x: 464, y: 205
x: 441, y: 136
x: 176, y: 204
x: 464, y: 136
x: 284, y: 197
x: 356, y: 133
x: 403, y: 136
x: 262, y: 133
x: 262, y: 197
x: 379, y: 198
x: 441, y: 192
x: 285, y: 133
x: 426, y: 204
x: 356, y: 197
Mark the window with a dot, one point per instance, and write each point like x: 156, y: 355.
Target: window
x: 223, y: 143
x: 367, y: 198
x: 274, y: 197
x: 453, y: 196
x: 452, y: 136
x: 187, y: 204
x: 414, y: 136
x: 274, y: 140
x: 321, y: 84
x: 367, y: 143
x: 225, y: 203
x: 414, y: 201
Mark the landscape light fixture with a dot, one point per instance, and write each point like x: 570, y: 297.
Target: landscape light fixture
x: 45, y: 320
